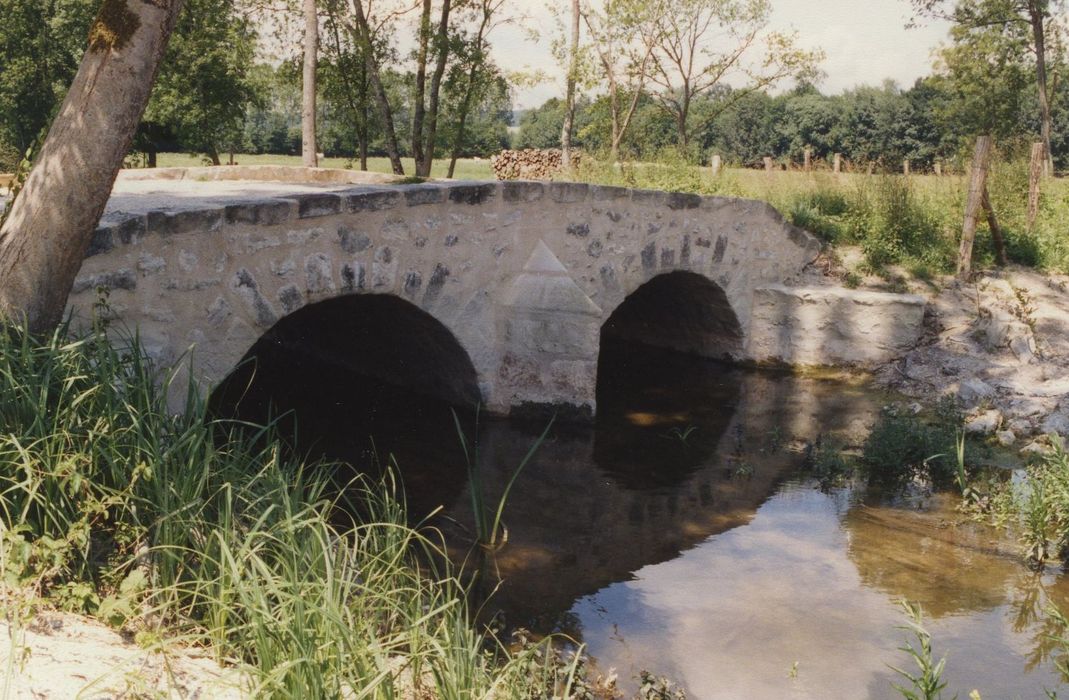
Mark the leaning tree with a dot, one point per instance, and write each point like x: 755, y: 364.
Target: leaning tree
x: 48, y: 228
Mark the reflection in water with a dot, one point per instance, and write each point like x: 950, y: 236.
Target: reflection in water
x: 676, y: 534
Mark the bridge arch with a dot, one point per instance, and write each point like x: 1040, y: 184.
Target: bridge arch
x: 383, y: 338
x: 682, y: 311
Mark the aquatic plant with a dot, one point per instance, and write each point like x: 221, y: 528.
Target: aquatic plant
x: 926, y: 682
x: 903, y: 446
x: 490, y: 532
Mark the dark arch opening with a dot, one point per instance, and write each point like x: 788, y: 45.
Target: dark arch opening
x: 664, y: 393
x: 358, y: 379
x: 681, y: 311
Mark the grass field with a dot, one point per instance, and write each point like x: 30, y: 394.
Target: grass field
x: 467, y: 168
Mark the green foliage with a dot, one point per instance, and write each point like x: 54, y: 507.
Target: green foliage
x: 895, y: 226
x: 9, y: 157
x: 205, y: 86
x: 41, y: 45
x: 903, y: 446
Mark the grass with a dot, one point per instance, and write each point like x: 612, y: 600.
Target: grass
x: 174, y: 527
x: 467, y: 168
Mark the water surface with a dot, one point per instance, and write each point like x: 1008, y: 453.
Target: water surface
x: 680, y: 533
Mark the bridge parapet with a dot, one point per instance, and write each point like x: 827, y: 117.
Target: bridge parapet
x: 523, y: 274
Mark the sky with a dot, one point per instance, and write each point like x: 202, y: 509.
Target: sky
x: 865, y: 42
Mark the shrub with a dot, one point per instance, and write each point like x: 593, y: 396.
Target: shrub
x: 9, y: 157
x: 903, y: 446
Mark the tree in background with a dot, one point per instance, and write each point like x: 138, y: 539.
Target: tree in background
x: 309, y: 148
x: 686, y: 64
x: 1003, y: 30
x: 44, y: 238
x: 474, y: 77
x: 206, y: 84
x: 41, y: 43
x: 623, y: 35
x: 570, y: 79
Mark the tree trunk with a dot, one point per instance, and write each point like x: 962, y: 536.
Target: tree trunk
x: 569, y: 102
x: 309, y: 148
x: 996, y: 230
x: 381, y: 98
x: 974, y: 202
x: 1035, y: 170
x: 462, y: 119
x: 419, y: 91
x: 1036, y: 16
x: 424, y: 167
x: 45, y: 237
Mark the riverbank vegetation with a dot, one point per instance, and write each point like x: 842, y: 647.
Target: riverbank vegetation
x: 183, y: 531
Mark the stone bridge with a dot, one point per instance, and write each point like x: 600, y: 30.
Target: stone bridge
x: 491, y: 292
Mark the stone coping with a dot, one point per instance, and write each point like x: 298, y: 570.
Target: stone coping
x: 279, y: 209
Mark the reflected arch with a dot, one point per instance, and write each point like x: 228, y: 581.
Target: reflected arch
x: 665, y: 396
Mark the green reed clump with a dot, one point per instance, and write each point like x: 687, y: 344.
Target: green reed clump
x: 896, y: 224
x: 903, y: 445
x: 147, y: 518
x: 1036, y: 506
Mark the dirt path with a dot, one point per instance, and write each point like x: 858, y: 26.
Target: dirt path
x: 65, y: 656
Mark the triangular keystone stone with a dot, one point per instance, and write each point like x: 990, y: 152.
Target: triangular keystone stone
x: 545, y: 285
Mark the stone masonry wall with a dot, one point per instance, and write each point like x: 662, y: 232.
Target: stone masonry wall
x: 522, y: 273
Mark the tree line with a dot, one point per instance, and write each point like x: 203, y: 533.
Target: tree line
x: 231, y: 79
x: 644, y: 77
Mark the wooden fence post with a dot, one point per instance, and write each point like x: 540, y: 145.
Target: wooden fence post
x: 768, y: 164
x: 1035, y: 172
x: 807, y: 157
x: 837, y: 163
x: 938, y: 167
x: 974, y: 202
x: 715, y: 164
x: 996, y: 231
x: 905, y: 167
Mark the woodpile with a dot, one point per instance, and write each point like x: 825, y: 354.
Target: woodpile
x: 529, y: 164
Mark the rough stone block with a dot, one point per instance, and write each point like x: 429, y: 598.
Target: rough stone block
x: 683, y: 200
x: 191, y: 221
x: 263, y: 213
x: 416, y: 195
x: 120, y: 279
x: 372, y: 200
x: 472, y: 194
x: 317, y: 204
x: 832, y: 326
x: 649, y: 198
x: 602, y: 193
x: 568, y: 192
x: 102, y: 242
x: 519, y: 191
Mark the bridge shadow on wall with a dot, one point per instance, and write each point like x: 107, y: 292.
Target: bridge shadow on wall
x: 358, y: 379
x: 662, y: 411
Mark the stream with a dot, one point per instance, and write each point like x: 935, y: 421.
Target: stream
x: 681, y: 533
